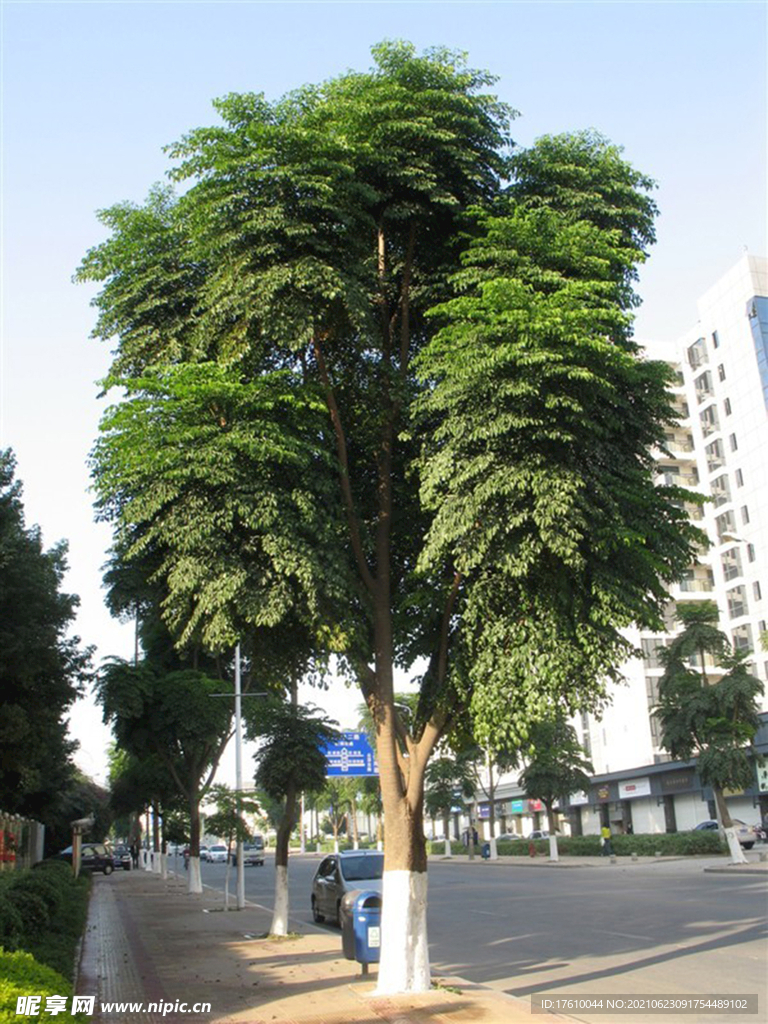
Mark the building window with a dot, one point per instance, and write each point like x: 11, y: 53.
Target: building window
x: 727, y: 406
x: 715, y: 340
x: 737, y: 601
x: 710, y: 421
x: 751, y: 552
x: 715, y: 455
x: 725, y: 524
x: 652, y: 647
x: 739, y: 478
x: 721, y: 490
x: 742, y: 637
x: 721, y: 372
x: 731, y: 562
x: 744, y: 514
x: 704, y: 387
x: 734, y: 443
x: 697, y: 354
x: 757, y: 592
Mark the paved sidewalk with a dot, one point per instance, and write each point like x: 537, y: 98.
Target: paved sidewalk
x: 147, y: 940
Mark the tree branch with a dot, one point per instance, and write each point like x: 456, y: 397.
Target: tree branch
x: 346, y: 489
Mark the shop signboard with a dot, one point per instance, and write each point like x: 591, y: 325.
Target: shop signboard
x: 516, y: 807
x: 601, y: 792
x: 634, y: 788
x: 677, y: 782
x: 535, y: 805
x: 578, y: 799
x: 762, y: 777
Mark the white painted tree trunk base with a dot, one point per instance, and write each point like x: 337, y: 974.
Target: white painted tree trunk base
x: 494, y: 853
x: 404, y: 963
x: 157, y: 866
x: 280, y: 913
x: 194, y: 880
x: 553, y: 852
x: 448, y: 850
x: 734, y: 847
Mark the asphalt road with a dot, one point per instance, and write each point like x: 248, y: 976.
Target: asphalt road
x: 641, y: 929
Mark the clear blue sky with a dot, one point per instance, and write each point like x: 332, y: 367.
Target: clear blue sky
x: 93, y: 91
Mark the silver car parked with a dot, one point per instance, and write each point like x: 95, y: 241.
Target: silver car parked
x: 340, y: 873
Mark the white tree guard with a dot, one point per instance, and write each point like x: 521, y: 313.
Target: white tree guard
x: 280, y: 914
x: 404, y: 963
x: 494, y: 853
x: 448, y: 850
x: 553, y: 852
x: 194, y: 881
x: 734, y: 846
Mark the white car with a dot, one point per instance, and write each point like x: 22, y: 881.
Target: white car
x: 744, y: 833
x: 217, y: 854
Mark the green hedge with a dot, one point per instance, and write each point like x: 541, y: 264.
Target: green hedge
x: 43, y: 912
x: 644, y: 845
x: 22, y: 975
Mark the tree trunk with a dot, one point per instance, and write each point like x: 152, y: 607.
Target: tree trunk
x: 734, y: 846
x: 156, y: 863
x: 194, y: 881
x: 282, y: 841
x: 491, y: 812
x: 553, y: 853
x: 404, y: 963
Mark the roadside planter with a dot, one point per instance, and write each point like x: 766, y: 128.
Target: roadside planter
x: 360, y: 920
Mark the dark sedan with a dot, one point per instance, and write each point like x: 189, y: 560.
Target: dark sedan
x: 93, y: 857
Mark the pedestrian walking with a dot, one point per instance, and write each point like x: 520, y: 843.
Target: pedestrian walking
x: 605, y: 841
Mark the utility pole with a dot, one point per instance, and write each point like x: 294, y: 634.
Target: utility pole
x: 239, y: 780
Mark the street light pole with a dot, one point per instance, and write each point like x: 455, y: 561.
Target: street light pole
x: 239, y: 780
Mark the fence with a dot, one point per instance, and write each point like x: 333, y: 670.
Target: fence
x: 21, y: 842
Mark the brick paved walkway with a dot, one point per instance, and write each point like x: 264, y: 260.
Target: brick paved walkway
x: 147, y: 940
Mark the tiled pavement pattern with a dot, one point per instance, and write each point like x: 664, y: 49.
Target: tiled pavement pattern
x: 148, y: 940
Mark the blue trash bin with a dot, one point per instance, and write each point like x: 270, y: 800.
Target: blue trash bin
x: 485, y: 852
x: 360, y: 919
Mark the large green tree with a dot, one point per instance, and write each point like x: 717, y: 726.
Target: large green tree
x: 423, y: 459
x: 712, y: 713
x: 555, y: 766
x: 42, y: 667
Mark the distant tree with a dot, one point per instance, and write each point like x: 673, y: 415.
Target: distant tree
x: 712, y: 719
x: 290, y: 760
x: 556, y: 765
x: 173, y: 717
x: 228, y: 821
x: 449, y: 780
x: 42, y: 669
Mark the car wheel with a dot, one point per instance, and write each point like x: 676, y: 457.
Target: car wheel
x: 317, y: 917
x: 108, y: 869
x: 747, y: 846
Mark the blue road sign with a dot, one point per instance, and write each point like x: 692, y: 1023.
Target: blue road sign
x: 350, y: 756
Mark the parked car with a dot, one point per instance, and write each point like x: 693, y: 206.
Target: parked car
x: 340, y: 873
x: 204, y: 853
x: 253, y: 855
x: 217, y: 854
x: 508, y: 837
x: 93, y: 857
x: 539, y: 833
x: 121, y: 857
x: 744, y: 833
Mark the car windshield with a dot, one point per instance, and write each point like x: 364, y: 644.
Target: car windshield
x: 357, y: 869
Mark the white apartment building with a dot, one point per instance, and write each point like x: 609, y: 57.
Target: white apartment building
x: 719, y: 448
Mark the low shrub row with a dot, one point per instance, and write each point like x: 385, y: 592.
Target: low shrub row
x: 666, y: 843
x: 43, y: 912
x: 21, y: 976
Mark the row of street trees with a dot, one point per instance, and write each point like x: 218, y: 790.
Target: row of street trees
x: 380, y: 400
